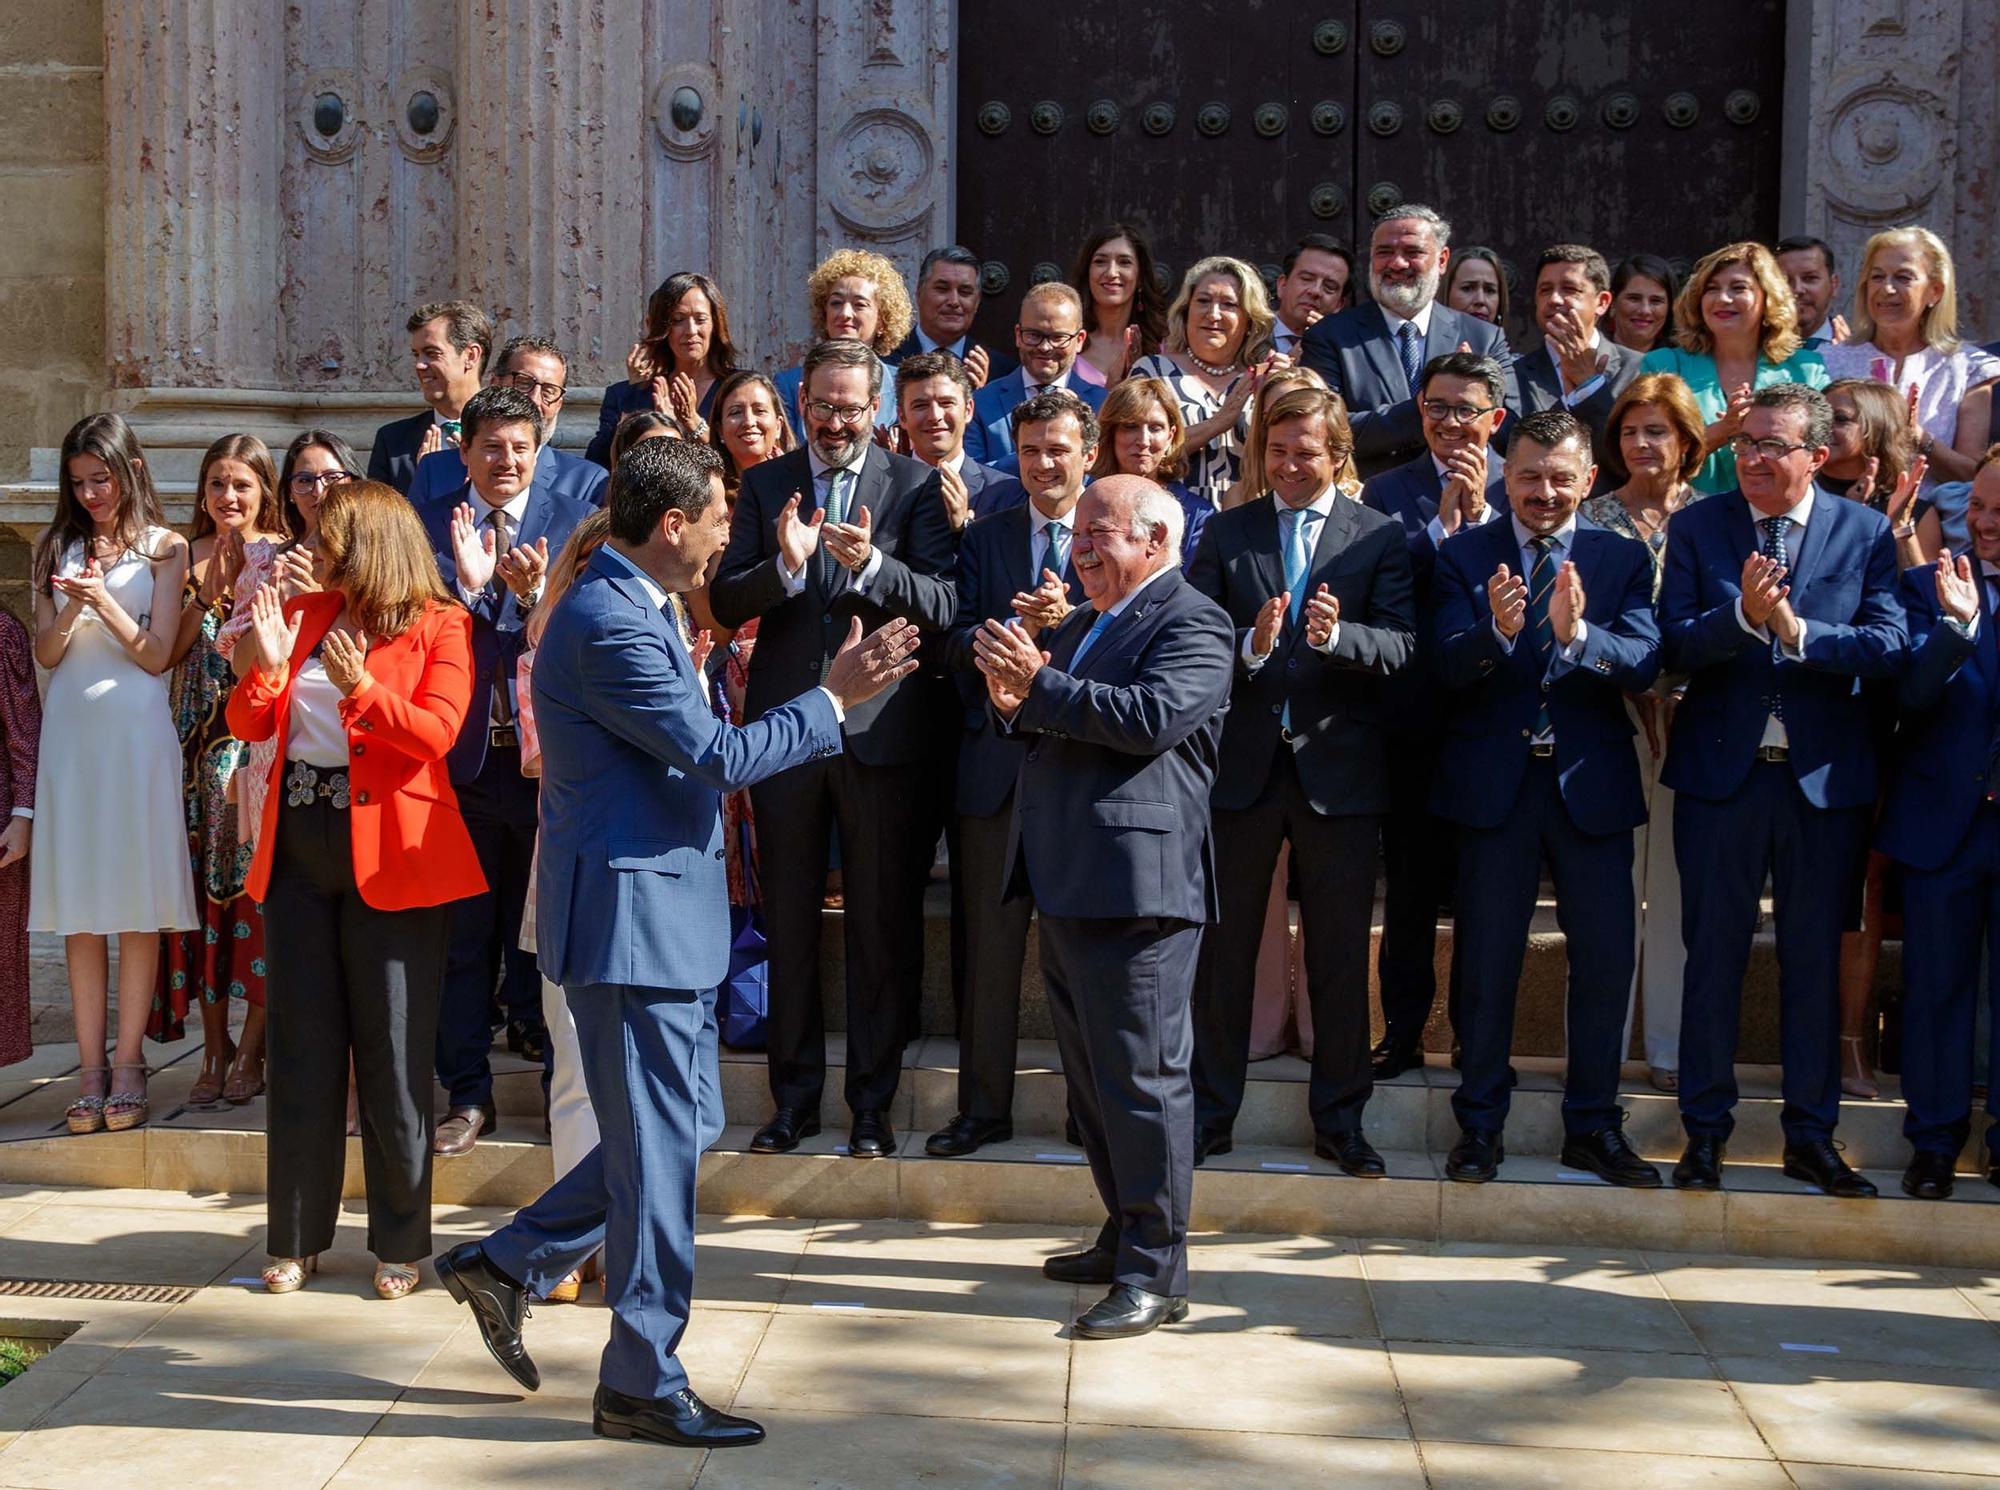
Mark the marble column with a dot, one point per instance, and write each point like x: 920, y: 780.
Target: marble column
x: 193, y: 149
x: 1892, y: 115
x: 551, y: 174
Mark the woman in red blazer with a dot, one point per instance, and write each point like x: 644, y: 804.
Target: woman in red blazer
x: 365, y: 681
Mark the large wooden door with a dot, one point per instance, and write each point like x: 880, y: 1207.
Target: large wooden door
x: 1235, y: 127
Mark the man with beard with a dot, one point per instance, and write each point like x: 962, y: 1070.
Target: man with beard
x: 1374, y: 355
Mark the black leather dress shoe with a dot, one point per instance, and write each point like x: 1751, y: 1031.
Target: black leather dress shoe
x: 871, y: 1137
x: 1929, y: 1177
x: 1210, y: 1142
x: 782, y: 1134
x: 1354, y: 1154
x: 1128, y: 1311
x: 682, y: 1420
x: 1700, y: 1167
x: 498, y: 1305
x: 1391, y: 1058
x: 1819, y: 1163
x: 967, y: 1135
x: 1092, y: 1265
x: 1610, y: 1156
x: 1475, y: 1158
x: 529, y: 1041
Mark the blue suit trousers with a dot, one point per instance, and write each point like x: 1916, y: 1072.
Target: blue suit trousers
x: 1950, y: 916
x: 650, y: 1063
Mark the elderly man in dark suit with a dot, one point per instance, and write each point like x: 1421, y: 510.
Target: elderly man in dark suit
x: 451, y: 342
x: 1012, y: 566
x: 836, y: 529
x: 1572, y: 367
x: 1374, y: 355
x: 1779, y: 597
x: 1318, y: 588
x: 1122, y: 715
x: 948, y: 298
x: 1543, y: 625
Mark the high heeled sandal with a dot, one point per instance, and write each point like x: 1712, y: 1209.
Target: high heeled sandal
x: 207, y: 1089
x: 241, y: 1086
x: 395, y: 1280
x: 1860, y: 1082
x: 288, y: 1274
x: 127, y: 1109
x: 86, y: 1113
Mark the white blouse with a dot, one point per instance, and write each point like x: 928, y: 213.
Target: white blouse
x: 318, y: 735
x: 1942, y: 378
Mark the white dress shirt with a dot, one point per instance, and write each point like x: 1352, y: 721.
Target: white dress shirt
x: 1774, y: 727
x: 1323, y: 505
x: 1421, y: 320
x: 1038, y: 537
x: 1571, y: 397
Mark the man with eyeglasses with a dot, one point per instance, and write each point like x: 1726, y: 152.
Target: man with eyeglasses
x: 948, y: 298
x: 836, y: 529
x: 1779, y: 598
x: 1048, y: 336
x: 1455, y: 485
x: 535, y: 366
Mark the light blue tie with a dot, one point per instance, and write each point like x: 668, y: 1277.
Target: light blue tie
x: 1298, y: 555
x: 1055, y: 554
x: 1090, y: 639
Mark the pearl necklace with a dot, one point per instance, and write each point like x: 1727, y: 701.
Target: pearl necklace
x: 1213, y: 371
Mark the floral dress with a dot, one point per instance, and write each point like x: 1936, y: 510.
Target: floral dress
x: 224, y: 956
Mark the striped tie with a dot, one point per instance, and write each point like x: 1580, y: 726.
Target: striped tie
x: 1775, y: 529
x: 1541, y: 584
x: 1410, y: 347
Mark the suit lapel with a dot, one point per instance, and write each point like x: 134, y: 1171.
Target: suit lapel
x: 1429, y: 488
x: 1538, y: 371
x: 535, y: 519
x: 1378, y: 346
x: 1267, y: 545
x: 1333, y: 535
x: 1813, y: 541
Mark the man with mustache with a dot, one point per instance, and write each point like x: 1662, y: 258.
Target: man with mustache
x: 1374, y: 355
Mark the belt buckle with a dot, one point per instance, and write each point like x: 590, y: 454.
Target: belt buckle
x: 503, y: 736
x: 1542, y: 750
x: 1774, y: 754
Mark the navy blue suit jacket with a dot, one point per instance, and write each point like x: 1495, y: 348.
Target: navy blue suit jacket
x: 627, y: 397
x: 631, y: 886
x: 1949, y: 699
x: 994, y: 555
x: 496, y: 618
x: 1336, y: 697
x: 998, y: 363
x: 1843, y: 586
x: 393, y: 456
x: 1355, y: 353
x: 1497, y: 693
x: 989, y: 438
x: 1195, y: 510
x: 1111, y: 813
x: 443, y: 472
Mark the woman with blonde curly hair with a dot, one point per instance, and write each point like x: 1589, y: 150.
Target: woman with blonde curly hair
x: 1904, y: 332
x: 859, y: 296
x: 1218, y: 349
x: 1737, y: 331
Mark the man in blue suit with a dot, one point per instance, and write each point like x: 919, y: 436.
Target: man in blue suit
x: 1543, y: 625
x: 1048, y: 336
x: 451, y: 344
x: 635, y: 926
x: 1941, y: 822
x: 535, y: 366
x: 1778, y: 598
x: 1012, y: 566
x: 934, y: 395
x: 1374, y: 355
x: 1454, y: 486
x: 947, y: 303
x: 1110, y: 836
x: 493, y: 538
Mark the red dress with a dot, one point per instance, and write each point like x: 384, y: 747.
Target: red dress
x: 20, y: 747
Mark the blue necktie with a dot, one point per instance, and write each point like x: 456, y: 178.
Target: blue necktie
x: 1775, y: 529
x: 1541, y: 582
x: 1055, y: 554
x: 1298, y: 555
x: 836, y: 512
x: 1410, y: 347
x: 1090, y: 639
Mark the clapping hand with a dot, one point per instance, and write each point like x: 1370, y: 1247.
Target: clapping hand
x: 1463, y: 499
x: 863, y: 667
x: 798, y: 540
x: 1730, y: 424
x: 850, y: 543
x: 1910, y: 403
x: 704, y: 644
x: 639, y: 363
x: 293, y: 573
x: 1764, y: 588
x: 472, y: 548
x: 522, y: 567
x: 1009, y: 658
x: 957, y: 501
x: 1507, y: 598
x: 270, y: 633
x: 1579, y: 361
x: 1322, y: 615
x: 343, y: 654
x: 431, y: 443
x: 1958, y: 589
x: 1045, y: 605
x: 978, y: 366
x: 686, y: 407
x: 1270, y: 621
x: 87, y: 588
x: 1566, y: 603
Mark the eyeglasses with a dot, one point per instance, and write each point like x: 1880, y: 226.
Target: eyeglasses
x: 820, y: 409
x: 1053, y: 341
x: 1773, y: 450
x: 305, y: 483
x: 1444, y: 413
x: 546, y: 392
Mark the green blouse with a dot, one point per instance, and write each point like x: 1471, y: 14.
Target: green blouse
x: 1718, y: 472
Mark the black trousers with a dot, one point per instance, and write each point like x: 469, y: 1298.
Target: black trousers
x: 345, y: 976
x: 1118, y: 994
x: 883, y: 861
x: 1418, y: 870
x: 996, y: 945
x: 1334, y: 858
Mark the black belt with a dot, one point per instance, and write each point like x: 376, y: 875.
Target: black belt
x: 1542, y: 750
x: 1774, y: 753
x: 504, y: 737
x: 306, y: 784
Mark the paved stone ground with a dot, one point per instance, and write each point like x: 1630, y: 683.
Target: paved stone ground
x: 891, y: 1354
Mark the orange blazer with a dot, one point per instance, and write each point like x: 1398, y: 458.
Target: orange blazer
x: 410, y: 844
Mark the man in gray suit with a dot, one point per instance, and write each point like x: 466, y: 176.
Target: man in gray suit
x: 1574, y: 368
x: 1122, y: 717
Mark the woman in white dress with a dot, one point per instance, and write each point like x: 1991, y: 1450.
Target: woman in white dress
x: 111, y: 847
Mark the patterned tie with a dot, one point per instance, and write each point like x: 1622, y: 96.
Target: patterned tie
x: 1541, y: 584
x: 836, y: 512
x: 503, y: 700
x: 1410, y: 347
x: 1055, y: 555
x: 1775, y: 529
x: 1090, y: 639
x: 1298, y: 554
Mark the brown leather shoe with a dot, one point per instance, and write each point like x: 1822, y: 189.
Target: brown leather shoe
x: 459, y: 1131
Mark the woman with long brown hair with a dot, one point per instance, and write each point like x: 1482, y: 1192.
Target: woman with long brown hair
x: 367, y: 681
x: 1140, y: 433
x: 1124, y: 311
x: 112, y: 853
x: 675, y: 367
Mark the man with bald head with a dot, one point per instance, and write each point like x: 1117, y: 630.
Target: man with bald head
x: 1122, y: 716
